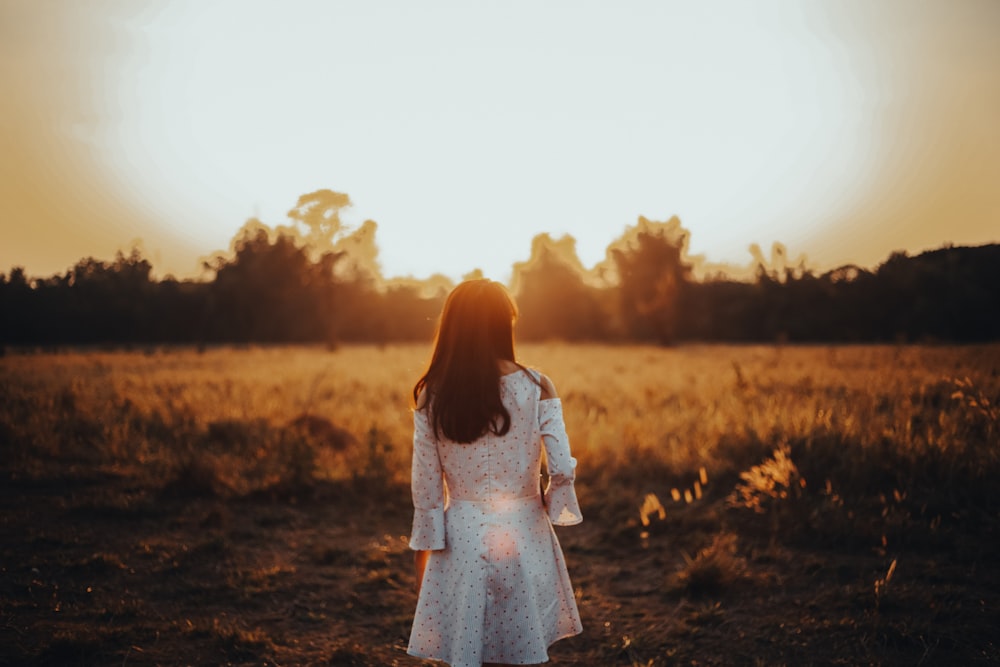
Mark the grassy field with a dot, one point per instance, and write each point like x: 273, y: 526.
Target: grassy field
x: 743, y: 505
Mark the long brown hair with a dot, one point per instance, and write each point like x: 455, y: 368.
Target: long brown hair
x: 462, y: 384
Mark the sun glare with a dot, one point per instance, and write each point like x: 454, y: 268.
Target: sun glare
x: 458, y: 129
x: 842, y: 131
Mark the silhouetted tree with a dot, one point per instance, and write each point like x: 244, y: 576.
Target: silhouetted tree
x: 112, y: 299
x: 406, y: 314
x: 324, y: 284
x: 319, y: 213
x: 270, y: 291
x: 720, y: 309
x: 554, y: 301
x: 944, y: 294
x: 652, y: 279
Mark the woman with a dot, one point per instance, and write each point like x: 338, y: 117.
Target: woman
x: 491, y: 579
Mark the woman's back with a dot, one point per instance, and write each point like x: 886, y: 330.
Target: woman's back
x: 498, y: 468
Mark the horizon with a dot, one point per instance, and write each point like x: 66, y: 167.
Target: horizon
x: 362, y: 246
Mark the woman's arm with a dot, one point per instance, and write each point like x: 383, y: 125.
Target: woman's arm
x: 560, y: 496
x: 428, y: 531
x: 427, y: 485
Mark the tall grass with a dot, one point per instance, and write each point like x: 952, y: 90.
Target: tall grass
x: 908, y: 431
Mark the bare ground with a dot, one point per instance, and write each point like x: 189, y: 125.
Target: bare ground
x: 105, y: 567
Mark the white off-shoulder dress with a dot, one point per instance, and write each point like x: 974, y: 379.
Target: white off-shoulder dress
x: 496, y: 587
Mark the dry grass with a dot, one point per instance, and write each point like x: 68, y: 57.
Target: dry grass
x: 163, y: 502
x: 714, y: 568
x: 674, y: 409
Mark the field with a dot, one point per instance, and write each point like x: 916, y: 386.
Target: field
x: 743, y: 505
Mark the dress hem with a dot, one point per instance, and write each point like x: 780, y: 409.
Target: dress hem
x: 533, y: 661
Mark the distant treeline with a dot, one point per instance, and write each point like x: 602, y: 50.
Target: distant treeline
x: 276, y: 288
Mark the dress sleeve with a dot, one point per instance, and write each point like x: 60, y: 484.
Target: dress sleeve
x: 560, y: 496
x: 427, y: 486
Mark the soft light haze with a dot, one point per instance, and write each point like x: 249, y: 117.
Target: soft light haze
x: 844, y: 130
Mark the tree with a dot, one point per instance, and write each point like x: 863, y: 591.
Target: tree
x: 552, y: 297
x: 319, y: 211
x: 652, y: 276
x: 271, y: 291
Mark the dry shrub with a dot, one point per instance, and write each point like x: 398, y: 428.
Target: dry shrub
x: 298, y: 463
x: 246, y: 456
x: 770, y: 484
x: 322, y: 432
x: 376, y: 469
x: 235, y: 435
x: 713, y: 569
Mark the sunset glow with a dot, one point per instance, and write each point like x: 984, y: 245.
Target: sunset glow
x: 841, y: 130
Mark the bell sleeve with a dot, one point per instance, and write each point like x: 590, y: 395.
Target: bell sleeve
x: 560, y: 496
x: 427, y: 486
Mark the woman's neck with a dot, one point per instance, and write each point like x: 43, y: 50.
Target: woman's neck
x: 507, y: 366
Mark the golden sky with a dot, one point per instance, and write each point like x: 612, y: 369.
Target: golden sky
x: 843, y: 129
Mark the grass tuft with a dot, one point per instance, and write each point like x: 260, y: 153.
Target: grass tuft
x: 712, y: 570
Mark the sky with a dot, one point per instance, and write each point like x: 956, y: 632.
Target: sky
x: 844, y: 129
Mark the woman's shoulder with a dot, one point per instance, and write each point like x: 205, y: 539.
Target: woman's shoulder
x: 421, y: 400
x: 548, y: 388
x: 513, y: 370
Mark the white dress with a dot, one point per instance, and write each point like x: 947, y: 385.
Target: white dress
x: 496, y: 587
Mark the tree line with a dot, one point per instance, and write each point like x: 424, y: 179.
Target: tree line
x: 951, y: 294
x: 312, y: 282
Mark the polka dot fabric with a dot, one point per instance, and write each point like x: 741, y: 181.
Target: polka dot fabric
x: 496, y: 587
